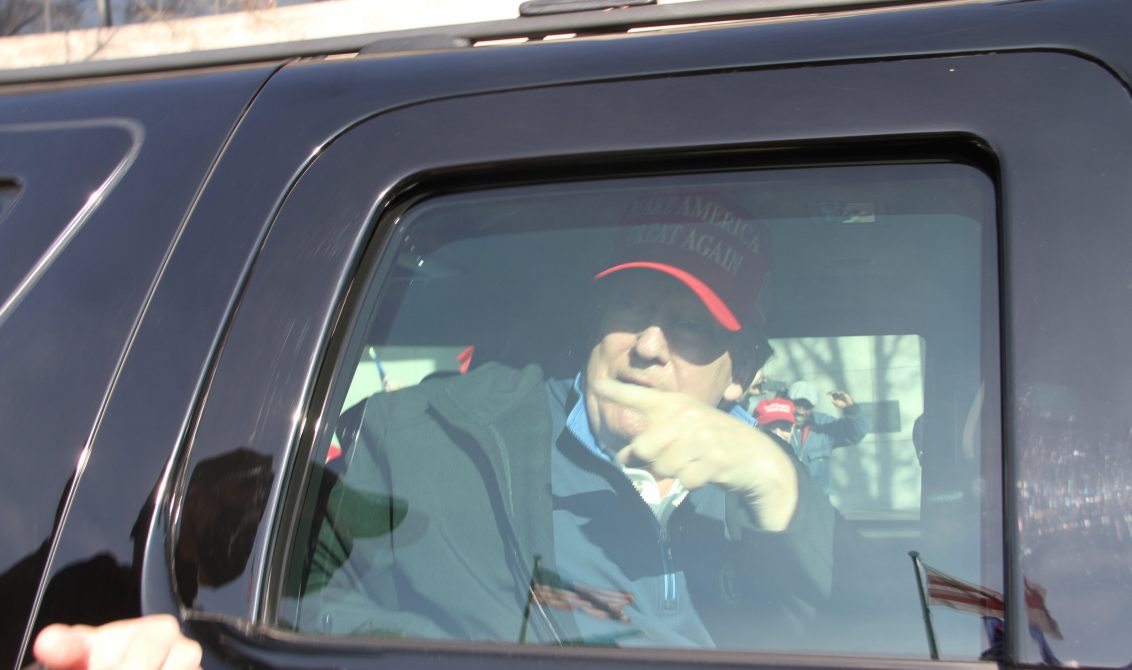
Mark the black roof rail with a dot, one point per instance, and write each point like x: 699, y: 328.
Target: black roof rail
x: 544, y: 7
x: 546, y: 18
x: 532, y: 27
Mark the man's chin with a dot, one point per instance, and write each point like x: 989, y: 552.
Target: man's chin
x: 624, y: 426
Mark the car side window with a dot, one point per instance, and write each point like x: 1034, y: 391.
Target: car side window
x: 749, y: 410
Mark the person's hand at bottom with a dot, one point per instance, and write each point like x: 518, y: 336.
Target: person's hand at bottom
x: 147, y: 643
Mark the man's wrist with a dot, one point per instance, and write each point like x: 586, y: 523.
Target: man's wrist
x: 773, y: 505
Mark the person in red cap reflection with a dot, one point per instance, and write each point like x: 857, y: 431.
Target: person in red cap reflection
x: 775, y: 416
x: 645, y: 508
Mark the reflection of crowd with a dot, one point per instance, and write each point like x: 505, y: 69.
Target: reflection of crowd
x: 1074, y: 492
x: 813, y: 435
x: 1074, y: 477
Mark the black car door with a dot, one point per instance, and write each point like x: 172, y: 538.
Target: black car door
x: 916, y: 197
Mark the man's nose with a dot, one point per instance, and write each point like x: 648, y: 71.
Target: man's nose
x: 652, y: 345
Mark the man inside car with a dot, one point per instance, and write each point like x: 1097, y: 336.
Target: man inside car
x: 635, y: 504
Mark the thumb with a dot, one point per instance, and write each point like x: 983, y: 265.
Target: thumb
x: 62, y: 647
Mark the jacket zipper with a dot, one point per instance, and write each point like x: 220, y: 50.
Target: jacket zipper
x: 668, y: 601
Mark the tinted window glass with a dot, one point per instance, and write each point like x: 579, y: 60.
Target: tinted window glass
x: 555, y: 421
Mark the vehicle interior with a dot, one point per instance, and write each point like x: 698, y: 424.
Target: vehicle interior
x: 883, y: 284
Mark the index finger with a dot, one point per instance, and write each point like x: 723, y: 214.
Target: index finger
x: 641, y: 398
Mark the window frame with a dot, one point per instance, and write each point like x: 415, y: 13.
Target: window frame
x: 377, y: 264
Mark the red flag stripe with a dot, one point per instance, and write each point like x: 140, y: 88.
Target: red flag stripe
x: 948, y: 591
x: 945, y: 590
x: 1037, y: 612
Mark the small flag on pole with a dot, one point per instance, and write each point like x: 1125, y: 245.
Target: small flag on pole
x: 1037, y: 612
x: 943, y: 589
x: 948, y: 591
x: 552, y: 590
x: 549, y: 589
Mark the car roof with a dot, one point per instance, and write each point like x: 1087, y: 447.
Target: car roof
x: 539, y: 20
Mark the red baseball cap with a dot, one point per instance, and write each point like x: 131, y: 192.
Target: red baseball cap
x: 774, y: 409
x: 706, y: 242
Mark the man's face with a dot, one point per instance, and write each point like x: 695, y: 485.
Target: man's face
x: 802, y: 412
x: 654, y: 332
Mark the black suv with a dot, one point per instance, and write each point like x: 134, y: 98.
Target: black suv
x: 221, y: 273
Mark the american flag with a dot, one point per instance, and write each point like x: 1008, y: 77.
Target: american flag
x: 551, y: 590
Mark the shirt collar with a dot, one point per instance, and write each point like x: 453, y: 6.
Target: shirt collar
x: 578, y: 422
